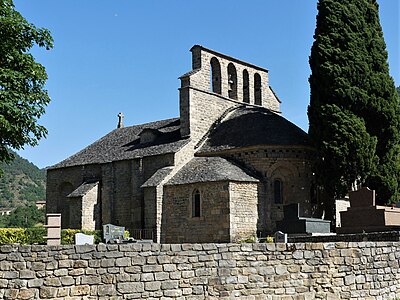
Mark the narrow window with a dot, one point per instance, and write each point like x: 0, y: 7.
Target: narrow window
x: 278, y: 191
x: 232, y: 81
x: 257, y: 89
x: 196, y: 204
x: 215, y: 83
x: 246, y: 90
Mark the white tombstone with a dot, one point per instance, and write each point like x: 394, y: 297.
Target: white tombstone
x: 280, y: 237
x: 84, y: 239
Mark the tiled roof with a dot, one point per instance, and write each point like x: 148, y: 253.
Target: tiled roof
x: 157, y: 177
x: 206, y: 169
x: 83, y: 189
x: 189, y: 73
x: 124, y: 143
x: 251, y: 126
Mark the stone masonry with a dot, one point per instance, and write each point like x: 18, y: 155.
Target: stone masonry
x: 341, y: 270
x: 229, y: 121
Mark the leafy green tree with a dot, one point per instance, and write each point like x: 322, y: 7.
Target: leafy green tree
x: 398, y: 90
x: 23, y: 97
x: 23, y: 217
x: 354, y: 109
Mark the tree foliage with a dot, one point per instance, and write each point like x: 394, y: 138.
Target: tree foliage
x: 23, y: 216
x: 354, y: 108
x: 23, y: 97
x: 22, y: 183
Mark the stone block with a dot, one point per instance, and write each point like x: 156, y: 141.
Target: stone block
x: 52, y: 281
x: 123, y: 262
x: 152, y: 285
x: 160, y: 276
x: 147, y: 277
x: 47, y: 292
x: 26, y: 274
x: 130, y: 287
x: 80, y: 290
x: 172, y: 293
x: 280, y: 270
x: 349, y: 279
x: 67, y: 280
x: 138, y: 261
x: 106, y: 290
x: 26, y: 293
x: 91, y: 280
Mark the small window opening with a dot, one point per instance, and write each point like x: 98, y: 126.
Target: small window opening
x: 196, y: 204
x: 215, y: 80
x: 278, y: 191
x: 232, y: 81
x: 257, y: 89
x: 246, y: 88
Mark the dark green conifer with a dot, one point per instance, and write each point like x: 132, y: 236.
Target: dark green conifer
x: 354, y: 109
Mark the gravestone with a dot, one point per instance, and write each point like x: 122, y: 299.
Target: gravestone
x: 280, y: 237
x: 84, y: 239
x: 293, y: 223
x: 364, y: 197
x: 113, y: 233
x: 364, y: 215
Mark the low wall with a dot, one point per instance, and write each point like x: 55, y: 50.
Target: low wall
x: 341, y: 270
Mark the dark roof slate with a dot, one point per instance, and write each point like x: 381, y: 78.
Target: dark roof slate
x: 83, y: 189
x: 208, y: 169
x: 157, y: 177
x: 124, y: 143
x: 253, y: 126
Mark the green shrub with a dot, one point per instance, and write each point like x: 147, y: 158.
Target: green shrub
x: 13, y: 236
x: 251, y: 239
x: 35, y: 235
x: 268, y: 239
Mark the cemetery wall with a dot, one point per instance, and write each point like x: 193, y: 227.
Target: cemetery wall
x: 341, y: 270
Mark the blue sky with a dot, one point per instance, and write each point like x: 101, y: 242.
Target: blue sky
x: 126, y: 56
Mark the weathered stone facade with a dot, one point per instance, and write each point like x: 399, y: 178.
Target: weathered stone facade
x: 228, y: 213
x: 229, y: 135
x: 363, y: 270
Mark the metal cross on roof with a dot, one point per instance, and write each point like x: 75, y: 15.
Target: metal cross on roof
x: 120, y: 120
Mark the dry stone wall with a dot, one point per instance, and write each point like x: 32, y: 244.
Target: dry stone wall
x: 364, y: 270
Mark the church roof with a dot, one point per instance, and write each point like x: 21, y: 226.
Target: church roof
x: 253, y: 126
x: 157, y: 177
x: 83, y: 189
x: 208, y: 169
x: 124, y: 143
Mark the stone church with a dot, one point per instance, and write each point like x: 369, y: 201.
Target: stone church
x: 221, y: 172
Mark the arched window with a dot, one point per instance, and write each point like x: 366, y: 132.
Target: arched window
x: 215, y: 80
x: 196, y: 204
x: 278, y: 191
x: 232, y: 81
x: 257, y: 89
x: 246, y: 89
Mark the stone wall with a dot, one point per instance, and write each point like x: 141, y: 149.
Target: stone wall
x: 213, y: 224
x: 243, y: 210
x: 364, y: 270
x: 292, y: 166
x: 228, y: 212
x: 119, y: 192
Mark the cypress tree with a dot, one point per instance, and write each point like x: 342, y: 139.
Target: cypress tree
x: 354, y: 108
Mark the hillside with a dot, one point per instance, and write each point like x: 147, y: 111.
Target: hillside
x: 21, y: 183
